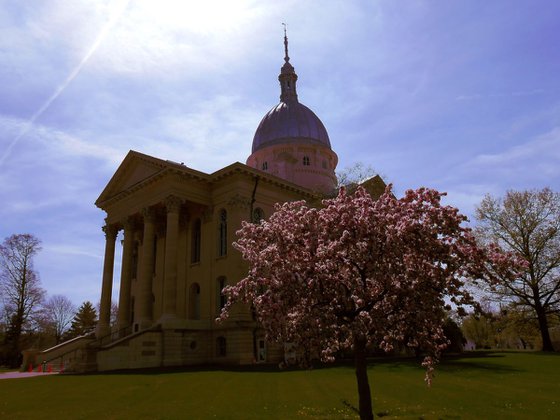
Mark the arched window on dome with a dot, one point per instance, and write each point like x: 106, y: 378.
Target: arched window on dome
x: 265, y: 166
x: 306, y: 161
x: 222, y: 234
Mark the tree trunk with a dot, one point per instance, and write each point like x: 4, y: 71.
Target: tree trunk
x: 364, y: 393
x: 543, y: 326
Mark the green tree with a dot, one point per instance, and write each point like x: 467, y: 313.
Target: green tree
x: 455, y: 336
x: 518, y: 328
x: 528, y: 224
x: 84, y: 321
x: 479, y: 329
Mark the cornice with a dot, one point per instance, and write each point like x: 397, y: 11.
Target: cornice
x: 183, y: 173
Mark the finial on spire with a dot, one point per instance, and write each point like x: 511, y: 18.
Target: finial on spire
x: 286, y: 56
x: 288, y: 76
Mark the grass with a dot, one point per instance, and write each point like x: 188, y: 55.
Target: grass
x: 480, y: 385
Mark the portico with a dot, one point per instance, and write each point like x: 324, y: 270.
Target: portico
x: 177, y: 226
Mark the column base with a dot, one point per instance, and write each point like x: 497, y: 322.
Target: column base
x: 171, y: 321
x: 145, y: 324
x: 102, y: 330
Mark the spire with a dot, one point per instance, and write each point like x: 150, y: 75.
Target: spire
x: 288, y: 76
x: 286, y: 56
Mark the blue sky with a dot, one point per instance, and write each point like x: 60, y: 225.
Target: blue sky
x: 461, y: 96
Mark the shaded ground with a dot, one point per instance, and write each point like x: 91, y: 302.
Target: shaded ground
x: 480, y: 385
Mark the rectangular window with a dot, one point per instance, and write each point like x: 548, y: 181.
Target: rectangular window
x: 196, y: 241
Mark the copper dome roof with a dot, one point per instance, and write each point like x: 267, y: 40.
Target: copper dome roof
x: 290, y: 122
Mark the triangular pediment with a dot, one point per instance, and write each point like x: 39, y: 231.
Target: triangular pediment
x: 138, y: 171
x: 134, y: 169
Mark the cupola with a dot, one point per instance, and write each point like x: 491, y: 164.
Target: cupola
x: 291, y: 142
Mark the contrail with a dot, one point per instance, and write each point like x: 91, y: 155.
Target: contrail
x: 115, y: 16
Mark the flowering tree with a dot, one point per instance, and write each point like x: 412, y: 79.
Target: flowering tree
x: 359, y: 272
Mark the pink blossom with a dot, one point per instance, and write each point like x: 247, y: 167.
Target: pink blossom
x: 360, y: 272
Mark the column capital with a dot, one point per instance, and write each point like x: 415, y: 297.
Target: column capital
x: 184, y: 219
x: 149, y: 214
x: 239, y: 201
x: 127, y: 223
x: 110, y: 231
x: 173, y: 204
x: 207, y: 214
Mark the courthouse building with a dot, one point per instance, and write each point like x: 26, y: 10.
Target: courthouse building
x: 178, y: 226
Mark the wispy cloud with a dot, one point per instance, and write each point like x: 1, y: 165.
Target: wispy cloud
x: 76, y: 249
x: 117, y: 12
x: 541, y: 153
x: 490, y: 95
x: 59, y: 144
x: 202, y: 137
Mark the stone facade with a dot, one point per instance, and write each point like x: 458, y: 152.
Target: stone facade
x: 178, y: 226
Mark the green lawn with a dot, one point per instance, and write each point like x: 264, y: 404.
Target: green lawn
x: 482, y: 385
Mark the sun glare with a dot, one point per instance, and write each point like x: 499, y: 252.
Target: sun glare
x: 200, y: 17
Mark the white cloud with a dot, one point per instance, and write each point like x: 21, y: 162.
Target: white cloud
x: 493, y: 95
x: 75, y: 249
x: 203, y: 137
x: 58, y: 144
x: 540, y: 155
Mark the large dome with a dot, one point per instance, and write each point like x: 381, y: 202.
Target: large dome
x: 290, y: 122
x: 291, y: 142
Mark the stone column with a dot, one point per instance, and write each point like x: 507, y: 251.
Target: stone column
x: 146, y: 271
x: 173, y: 205
x: 123, y: 320
x: 104, y: 326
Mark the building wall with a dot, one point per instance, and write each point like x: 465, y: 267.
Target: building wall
x: 193, y: 336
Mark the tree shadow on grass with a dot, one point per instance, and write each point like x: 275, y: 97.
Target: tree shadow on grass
x: 270, y: 368
x: 449, y: 363
x: 546, y: 353
x: 468, y: 361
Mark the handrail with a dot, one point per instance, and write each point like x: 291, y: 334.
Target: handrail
x: 61, y: 356
x: 112, y: 337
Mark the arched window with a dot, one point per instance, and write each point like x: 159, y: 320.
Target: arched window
x: 265, y: 166
x: 221, y: 349
x: 306, y: 161
x: 221, y: 299
x: 258, y: 215
x: 194, y: 301
x: 196, y: 241
x: 222, y: 234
